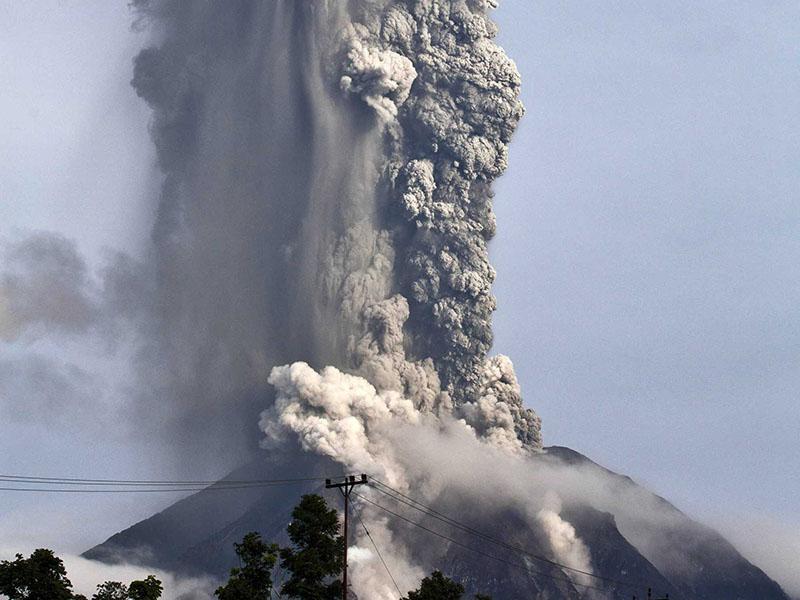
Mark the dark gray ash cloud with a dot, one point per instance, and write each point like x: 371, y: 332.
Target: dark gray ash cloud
x: 45, y: 285
x: 327, y: 198
x: 37, y: 389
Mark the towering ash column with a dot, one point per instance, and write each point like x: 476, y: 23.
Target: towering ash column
x: 329, y: 162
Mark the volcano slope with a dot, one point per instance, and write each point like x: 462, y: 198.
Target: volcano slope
x: 676, y: 555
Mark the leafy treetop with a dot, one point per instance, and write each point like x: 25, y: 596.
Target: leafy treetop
x: 315, y: 558
x: 253, y: 580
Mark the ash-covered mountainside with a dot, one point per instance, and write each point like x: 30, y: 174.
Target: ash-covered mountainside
x: 195, y: 536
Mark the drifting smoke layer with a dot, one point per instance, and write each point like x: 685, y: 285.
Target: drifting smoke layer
x: 46, y: 287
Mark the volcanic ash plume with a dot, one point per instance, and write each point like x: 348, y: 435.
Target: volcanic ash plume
x: 327, y: 206
x: 327, y: 199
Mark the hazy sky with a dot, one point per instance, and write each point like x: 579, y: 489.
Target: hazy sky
x: 650, y: 240
x: 649, y: 243
x: 647, y: 254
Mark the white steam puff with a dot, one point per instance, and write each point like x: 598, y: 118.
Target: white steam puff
x: 381, y: 78
x: 565, y: 544
x: 368, y: 573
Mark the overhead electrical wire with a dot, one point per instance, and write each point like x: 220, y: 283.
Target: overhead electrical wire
x: 378, y: 552
x: 81, y: 481
x: 73, y: 485
x: 415, y: 504
x: 526, y: 568
x: 124, y: 486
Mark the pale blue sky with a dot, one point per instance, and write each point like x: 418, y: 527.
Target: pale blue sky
x: 647, y: 254
x: 649, y: 242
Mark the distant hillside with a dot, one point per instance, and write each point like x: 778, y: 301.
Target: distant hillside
x: 690, y: 561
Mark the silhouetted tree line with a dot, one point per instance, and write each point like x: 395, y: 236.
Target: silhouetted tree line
x: 309, y: 568
x: 312, y: 564
x: 42, y: 576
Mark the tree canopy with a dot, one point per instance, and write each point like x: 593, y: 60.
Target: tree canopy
x: 41, y: 576
x: 144, y: 589
x: 148, y: 588
x: 439, y: 587
x: 314, y: 560
x: 111, y: 590
x: 253, y: 580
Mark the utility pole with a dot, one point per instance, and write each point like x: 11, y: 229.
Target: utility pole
x: 346, y: 487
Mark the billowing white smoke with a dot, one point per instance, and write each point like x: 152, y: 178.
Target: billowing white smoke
x: 566, y: 546
x: 339, y: 415
x: 346, y: 418
x: 381, y: 78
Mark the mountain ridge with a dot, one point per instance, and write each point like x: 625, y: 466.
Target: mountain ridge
x: 195, y: 536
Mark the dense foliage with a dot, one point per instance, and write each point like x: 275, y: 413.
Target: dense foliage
x: 42, y: 576
x: 439, y: 587
x: 315, y: 558
x: 252, y: 580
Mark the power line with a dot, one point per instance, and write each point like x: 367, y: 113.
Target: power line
x: 467, y: 529
x: 374, y: 545
x: 212, y: 488
x: 457, y: 524
x: 527, y: 569
x: 155, y: 482
x: 125, y: 486
x: 106, y: 486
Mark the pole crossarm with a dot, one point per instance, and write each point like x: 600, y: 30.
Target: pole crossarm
x: 348, y: 482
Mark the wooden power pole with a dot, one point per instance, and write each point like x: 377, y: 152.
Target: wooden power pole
x: 346, y: 487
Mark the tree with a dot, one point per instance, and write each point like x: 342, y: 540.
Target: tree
x: 253, y: 581
x: 111, y: 590
x: 42, y: 576
x: 317, y: 551
x: 439, y: 587
x: 148, y: 588
x: 144, y: 589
